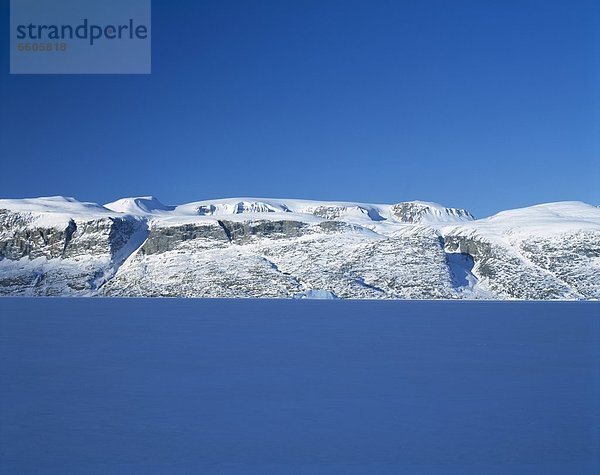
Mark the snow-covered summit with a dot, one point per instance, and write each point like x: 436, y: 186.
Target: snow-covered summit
x: 138, y: 206
x: 423, y: 212
x: 54, y: 210
x: 540, y: 220
x: 246, y: 208
x: 231, y: 206
x: 52, y: 204
x: 551, y: 211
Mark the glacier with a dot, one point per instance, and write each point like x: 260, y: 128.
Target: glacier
x: 292, y: 248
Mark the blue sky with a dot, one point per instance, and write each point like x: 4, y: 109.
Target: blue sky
x: 485, y: 105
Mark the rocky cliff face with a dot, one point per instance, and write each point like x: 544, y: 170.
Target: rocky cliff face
x: 72, y: 256
x: 295, y: 249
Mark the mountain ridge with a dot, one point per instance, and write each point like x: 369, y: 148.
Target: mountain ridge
x: 257, y: 247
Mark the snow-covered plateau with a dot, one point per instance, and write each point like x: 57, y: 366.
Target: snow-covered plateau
x: 279, y: 248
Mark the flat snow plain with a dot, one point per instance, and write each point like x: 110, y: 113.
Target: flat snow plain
x: 260, y: 386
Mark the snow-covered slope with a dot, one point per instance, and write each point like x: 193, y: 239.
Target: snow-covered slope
x: 545, y: 251
x: 255, y: 247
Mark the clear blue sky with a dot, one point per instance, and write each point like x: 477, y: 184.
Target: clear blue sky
x: 478, y: 104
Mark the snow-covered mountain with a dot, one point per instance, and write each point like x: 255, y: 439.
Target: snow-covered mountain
x: 250, y: 247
